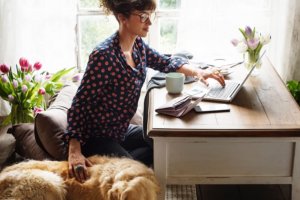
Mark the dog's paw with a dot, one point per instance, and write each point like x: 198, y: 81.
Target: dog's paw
x: 139, y: 188
x: 117, y: 190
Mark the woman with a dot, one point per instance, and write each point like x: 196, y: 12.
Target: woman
x: 107, y: 99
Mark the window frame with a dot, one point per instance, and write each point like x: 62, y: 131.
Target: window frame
x: 153, y: 36
x: 83, y: 12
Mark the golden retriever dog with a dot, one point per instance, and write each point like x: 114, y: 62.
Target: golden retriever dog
x: 110, y: 179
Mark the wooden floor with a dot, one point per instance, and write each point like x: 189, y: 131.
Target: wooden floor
x: 243, y: 192
x: 228, y: 192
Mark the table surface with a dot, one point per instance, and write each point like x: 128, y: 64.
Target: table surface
x: 262, y: 108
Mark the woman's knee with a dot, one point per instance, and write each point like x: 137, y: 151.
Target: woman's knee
x: 103, y: 146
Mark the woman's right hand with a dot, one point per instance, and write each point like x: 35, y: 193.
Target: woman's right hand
x: 77, y: 162
x: 210, y: 73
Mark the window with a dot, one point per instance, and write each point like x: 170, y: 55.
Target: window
x: 203, y: 27
x: 92, y: 29
x: 93, y: 26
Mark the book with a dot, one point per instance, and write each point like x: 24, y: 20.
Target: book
x: 180, y: 106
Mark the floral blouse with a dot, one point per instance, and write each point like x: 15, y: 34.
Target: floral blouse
x: 108, y: 95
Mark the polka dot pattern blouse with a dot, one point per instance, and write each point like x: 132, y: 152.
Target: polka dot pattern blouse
x: 108, y: 95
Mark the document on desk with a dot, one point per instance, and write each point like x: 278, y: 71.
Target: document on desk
x: 179, y: 106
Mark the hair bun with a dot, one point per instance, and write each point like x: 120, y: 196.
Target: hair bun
x: 125, y: 7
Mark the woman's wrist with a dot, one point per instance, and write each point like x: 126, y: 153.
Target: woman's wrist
x: 198, y: 73
x: 194, y: 73
x: 74, y: 146
x: 188, y: 70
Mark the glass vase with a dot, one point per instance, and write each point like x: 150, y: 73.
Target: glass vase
x: 251, y: 59
x: 19, y: 114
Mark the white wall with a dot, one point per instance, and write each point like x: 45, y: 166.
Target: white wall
x: 40, y: 30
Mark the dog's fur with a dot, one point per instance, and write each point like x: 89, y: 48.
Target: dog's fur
x: 110, y: 179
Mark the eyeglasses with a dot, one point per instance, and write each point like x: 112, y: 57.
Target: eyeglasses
x: 145, y: 16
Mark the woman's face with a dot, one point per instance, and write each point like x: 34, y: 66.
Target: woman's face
x: 139, y: 22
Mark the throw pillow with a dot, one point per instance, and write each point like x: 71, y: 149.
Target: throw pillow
x: 26, y: 145
x: 51, y: 124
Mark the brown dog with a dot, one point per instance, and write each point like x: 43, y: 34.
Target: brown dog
x: 110, y: 179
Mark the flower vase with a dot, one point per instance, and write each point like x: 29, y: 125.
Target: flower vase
x: 251, y: 59
x: 19, y: 114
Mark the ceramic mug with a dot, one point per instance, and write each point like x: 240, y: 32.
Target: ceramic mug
x: 175, y: 82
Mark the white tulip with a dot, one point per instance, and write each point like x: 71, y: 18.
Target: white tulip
x: 242, y: 47
x: 38, y: 78
x: 265, y: 39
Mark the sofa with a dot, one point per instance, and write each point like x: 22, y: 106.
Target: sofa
x: 42, y: 139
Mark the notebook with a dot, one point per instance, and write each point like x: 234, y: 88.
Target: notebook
x: 225, y: 94
x: 179, y: 106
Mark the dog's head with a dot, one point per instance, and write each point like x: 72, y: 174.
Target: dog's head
x: 124, y: 179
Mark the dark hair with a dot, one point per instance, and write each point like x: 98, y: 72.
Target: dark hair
x: 126, y: 7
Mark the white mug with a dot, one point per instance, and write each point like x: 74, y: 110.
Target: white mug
x: 175, y: 82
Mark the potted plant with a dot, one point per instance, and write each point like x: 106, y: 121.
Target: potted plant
x: 25, y: 86
x: 250, y: 45
x: 294, y: 88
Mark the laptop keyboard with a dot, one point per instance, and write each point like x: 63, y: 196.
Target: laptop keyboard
x: 222, y: 93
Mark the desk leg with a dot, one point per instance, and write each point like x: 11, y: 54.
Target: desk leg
x: 160, y: 166
x: 296, y: 174
x: 296, y: 190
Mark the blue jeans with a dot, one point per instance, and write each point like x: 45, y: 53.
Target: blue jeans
x: 134, y: 146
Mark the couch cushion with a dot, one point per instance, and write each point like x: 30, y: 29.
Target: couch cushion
x: 26, y: 145
x: 7, y: 145
x: 51, y: 124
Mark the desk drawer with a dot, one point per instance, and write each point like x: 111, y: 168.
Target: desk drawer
x: 221, y: 159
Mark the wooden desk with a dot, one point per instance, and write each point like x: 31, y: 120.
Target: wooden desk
x: 257, y: 142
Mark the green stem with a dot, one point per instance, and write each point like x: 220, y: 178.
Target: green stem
x: 20, y: 115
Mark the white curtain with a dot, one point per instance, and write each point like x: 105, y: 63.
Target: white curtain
x: 285, y: 47
x: 39, y: 30
x: 291, y: 42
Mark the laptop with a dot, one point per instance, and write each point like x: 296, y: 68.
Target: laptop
x: 225, y: 94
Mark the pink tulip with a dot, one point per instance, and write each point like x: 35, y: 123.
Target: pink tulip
x: 37, y: 66
x: 37, y: 110
x: 4, y: 79
x: 38, y: 78
x: 253, y: 43
x: 28, y: 77
x: 235, y: 42
x: 42, y: 91
x: 48, y: 76
x: 4, y: 69
x: 248, y: 31
x: 24, y: 88
x: 11, y: 98
x: 15, y: 83
x: 76, y: 77
x: 24, y: 63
